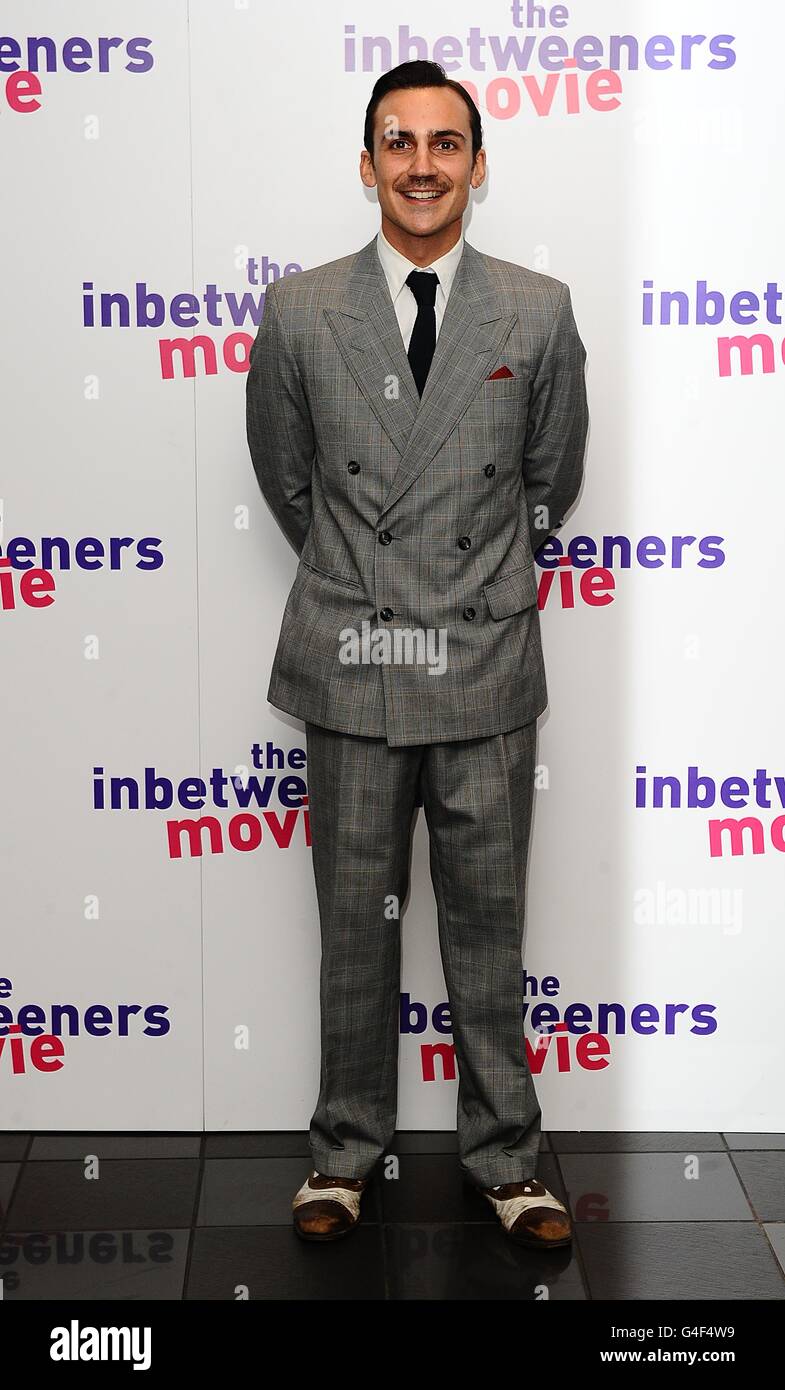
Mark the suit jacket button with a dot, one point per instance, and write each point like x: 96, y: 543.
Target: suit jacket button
x: 490, y: 469
x: 469, y: 613
x: 384, y: 537
x: 353, y: 467
x: 386, y: 614
x: 464, y: 542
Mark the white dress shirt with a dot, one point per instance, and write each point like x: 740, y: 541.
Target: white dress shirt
x: 396, y: 268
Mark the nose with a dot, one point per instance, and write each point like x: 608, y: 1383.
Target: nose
x: 423, y: 164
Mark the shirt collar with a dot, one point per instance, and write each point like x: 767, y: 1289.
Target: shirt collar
x: 396, y: 266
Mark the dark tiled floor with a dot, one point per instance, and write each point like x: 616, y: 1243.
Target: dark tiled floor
x: 208, y: 1216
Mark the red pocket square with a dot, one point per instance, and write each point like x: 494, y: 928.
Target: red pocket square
x: 499, y: 374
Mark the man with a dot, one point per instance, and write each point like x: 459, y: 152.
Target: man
x: 417, y: 419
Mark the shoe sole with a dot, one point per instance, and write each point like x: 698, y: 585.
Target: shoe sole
x: 532, y: 1244
x: 323, y: 1235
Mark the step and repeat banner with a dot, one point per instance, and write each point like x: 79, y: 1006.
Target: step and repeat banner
x: 163, y: 162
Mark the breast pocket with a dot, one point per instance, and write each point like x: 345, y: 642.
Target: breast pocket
x: 505, y: 402
x: 504, y: 385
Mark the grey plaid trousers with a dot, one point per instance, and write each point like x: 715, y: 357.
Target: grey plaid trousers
x: 477, y: 795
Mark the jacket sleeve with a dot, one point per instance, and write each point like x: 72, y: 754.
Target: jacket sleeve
x: 557, y: 427
x: 279, y: 425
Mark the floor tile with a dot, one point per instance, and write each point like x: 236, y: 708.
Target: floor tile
x: 8, y: 1175
x: 775, y: 1234
x: 425, y: 1142
x: 431, y: 1189
x: 259, y: 1192
x: 477, y: 1261
x: 94, y: 1265
x: 755, y: 1141
x: 139, y: 1194
x: 13, y: 1146
x: 588, y: 1141
x: 273, y: 1262
x: 645, y: 1227
x: 49, y: 1146
x: 263, y: 1144
x: 653, y: 1187
x: 689, y: 1261
x: 763, y: 1175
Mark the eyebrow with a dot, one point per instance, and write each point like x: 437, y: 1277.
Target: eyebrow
x: 438, y: 134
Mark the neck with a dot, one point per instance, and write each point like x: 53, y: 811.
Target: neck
x: 422, y: 250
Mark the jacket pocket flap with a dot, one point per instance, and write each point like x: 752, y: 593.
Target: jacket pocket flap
x: 329, y: 576
x: 512, y: 593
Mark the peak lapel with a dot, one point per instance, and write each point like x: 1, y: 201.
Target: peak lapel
x: 366, y: 330
x: 473, y: 332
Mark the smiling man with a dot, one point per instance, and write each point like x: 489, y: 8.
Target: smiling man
x: 417, y: 419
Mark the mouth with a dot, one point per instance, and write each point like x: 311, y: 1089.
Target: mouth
x: 426, y: 195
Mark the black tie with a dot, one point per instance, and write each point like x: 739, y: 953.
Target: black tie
x: 422, y: 284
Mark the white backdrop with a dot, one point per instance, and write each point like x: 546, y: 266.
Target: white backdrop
x: 181, y: 989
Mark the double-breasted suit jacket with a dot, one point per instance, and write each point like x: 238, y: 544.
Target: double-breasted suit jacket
x: 416, y: 513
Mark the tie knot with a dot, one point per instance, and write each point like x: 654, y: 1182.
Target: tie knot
x: 422, y: 284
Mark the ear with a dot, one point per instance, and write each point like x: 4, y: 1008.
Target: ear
x: 367, y: 171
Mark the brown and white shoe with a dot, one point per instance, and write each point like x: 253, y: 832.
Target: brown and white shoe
x: 530, y: 1214
x: 325, y: 1207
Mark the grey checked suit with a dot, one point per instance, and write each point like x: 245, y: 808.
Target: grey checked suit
x: 329, y: 386
x: 418, y: 513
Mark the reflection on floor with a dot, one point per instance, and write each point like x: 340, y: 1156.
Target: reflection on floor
x: 208, y: 1216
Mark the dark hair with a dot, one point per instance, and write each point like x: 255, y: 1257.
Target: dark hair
x: 419, y: 73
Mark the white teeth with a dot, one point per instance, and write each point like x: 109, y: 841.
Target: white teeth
x: 421, y: 197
